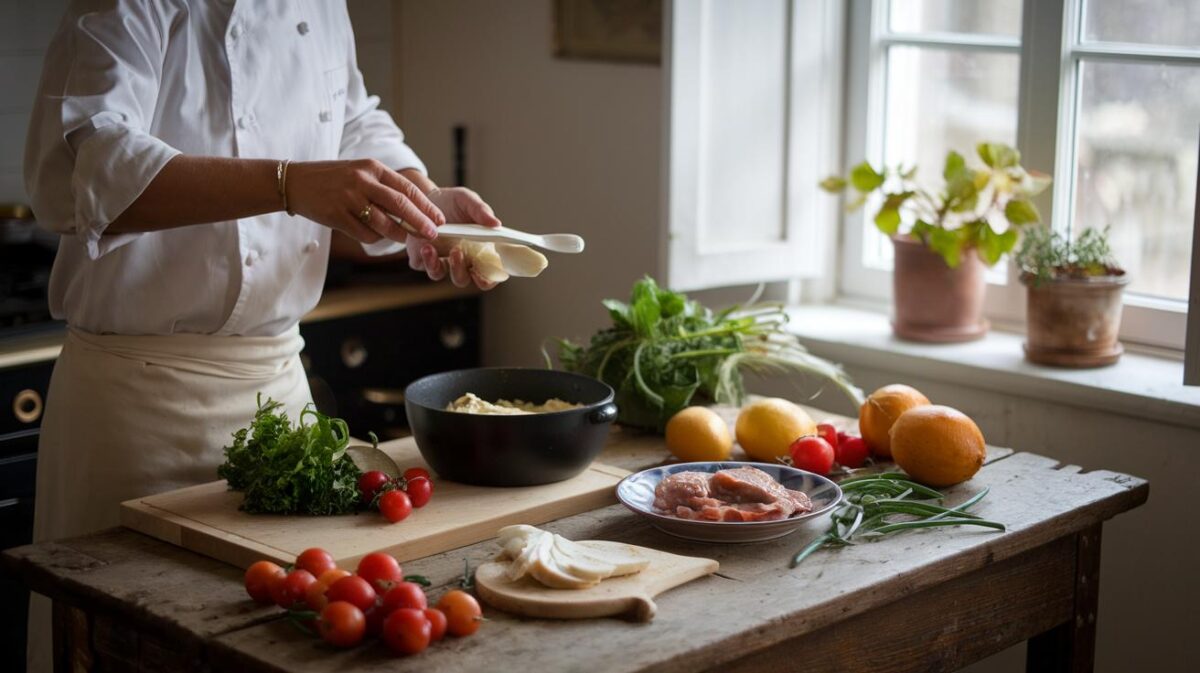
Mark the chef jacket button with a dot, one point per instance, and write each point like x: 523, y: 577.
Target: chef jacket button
x: 252, y: 257
x: 236, y: 31
x: 302, y: 27
x: 243, y: 122
x: 311, y: 246
x: 325, y: 116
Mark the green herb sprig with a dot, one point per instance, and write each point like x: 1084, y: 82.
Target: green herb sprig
x: 1045, y: 255
x: 285, y: 469
x: 665, y: 352
x: 874, y: 504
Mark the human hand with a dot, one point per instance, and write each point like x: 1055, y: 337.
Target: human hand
x: 336, y: 193
x: 462, y: 206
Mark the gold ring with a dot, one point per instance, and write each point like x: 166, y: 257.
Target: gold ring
x: 365, y: 215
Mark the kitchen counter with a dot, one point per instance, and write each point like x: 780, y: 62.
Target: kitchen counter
x: 335, y: 303
x: 918, y: 601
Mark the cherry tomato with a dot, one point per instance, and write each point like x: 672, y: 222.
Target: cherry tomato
x: 314, y: 596
x: 405, y: 595
x: 829, y: 433
x: 381, y: 570
x: 370, y: 483
x: 852, y: 452
x: 332, y: 575
x: 841, y: 436
x: 342, y: 624
x: 353, y: 590
x: 375, y: 618
x: 293, y: 589
x: 406, y: 631
x: 462, y: 611
x: 414, y: 472
x: 315, y: 561
x: 261, y: 580
x: 419, y: 490
x: 813, y: 454
x: 437, y: 623
x: 395, y: 505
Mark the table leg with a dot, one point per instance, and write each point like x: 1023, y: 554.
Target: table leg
x: 1070, y: 647
x: 72, y: 639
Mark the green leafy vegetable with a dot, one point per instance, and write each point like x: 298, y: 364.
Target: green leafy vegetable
x: 284, y: 469
x: 665, y: 352
x: 879, y: 504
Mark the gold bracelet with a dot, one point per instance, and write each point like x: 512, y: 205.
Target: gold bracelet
x: 281, y: 182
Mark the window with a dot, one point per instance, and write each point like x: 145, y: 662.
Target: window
x: 1104, y: 93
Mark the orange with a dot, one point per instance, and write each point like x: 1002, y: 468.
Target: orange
x: 698, y: 434
x: 881, y: 409
x: 937, y: 445
x: 766, y: 428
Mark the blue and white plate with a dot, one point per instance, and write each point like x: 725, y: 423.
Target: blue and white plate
x: 637, y: 493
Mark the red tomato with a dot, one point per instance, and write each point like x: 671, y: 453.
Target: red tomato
x: 462, y: 611
x: 437, y: 623
x: 404, y: 595
x: 841, y: 436
x: 342, y: 624
x: 315, y: 561
x: 414, y: 472
x: 375, y: 618
x: 419, y: 490
x: 829, y: 433
x: 370, y: 483
x: 332, y: 575
x: 395, y: 505
x: 353, y: 590
x: 406, y: 631
x: 314, y: 596
x: 293, y: 589
x: 813, y: 454
x: 261, y: 580
x: 381, y: 570
x: 852, y: 452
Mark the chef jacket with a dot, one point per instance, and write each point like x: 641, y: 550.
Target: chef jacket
x: 129, y: 84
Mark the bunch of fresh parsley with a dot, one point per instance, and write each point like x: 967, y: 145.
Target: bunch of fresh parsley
x: 292, y: 469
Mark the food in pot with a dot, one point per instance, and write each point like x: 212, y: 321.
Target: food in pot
x: 473, y: 404
x: 559, y: 563
x: 737, y: 494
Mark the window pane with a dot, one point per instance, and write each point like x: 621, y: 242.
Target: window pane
x: 1137, y: 142
x: 938, y: 100
x: 987, y: 17
x: 1161, y: 22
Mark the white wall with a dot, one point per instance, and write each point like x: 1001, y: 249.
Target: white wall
x: 554, y: 145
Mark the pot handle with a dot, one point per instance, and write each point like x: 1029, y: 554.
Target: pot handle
x: 605, y: 414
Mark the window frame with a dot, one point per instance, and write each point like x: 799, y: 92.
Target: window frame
x: 1052, y: 31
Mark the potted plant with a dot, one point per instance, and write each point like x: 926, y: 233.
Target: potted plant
x: 1073, y: 298
x: 948, y: 236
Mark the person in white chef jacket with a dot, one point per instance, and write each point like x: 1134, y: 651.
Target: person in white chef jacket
x: 196, y: 155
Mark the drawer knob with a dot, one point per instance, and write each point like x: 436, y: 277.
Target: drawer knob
x: 453, y: 337
x: 27, y: 406
x: 354, y: 353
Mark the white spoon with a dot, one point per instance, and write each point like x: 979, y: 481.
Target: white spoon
x: 568, y: 243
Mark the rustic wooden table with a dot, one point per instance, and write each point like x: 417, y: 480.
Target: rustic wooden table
x: 921, y: 601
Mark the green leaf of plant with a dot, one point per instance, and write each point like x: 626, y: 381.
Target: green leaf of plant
x: 921, y: 231
x: 833, y: 183
x: 947, y: 244
x: 619, y: 311
x: 1020, y: 212
x: 955, y: 165
x: 865, y: 178
x: 887, y: 220
x: 1035, y: 183
x: 998, y: 155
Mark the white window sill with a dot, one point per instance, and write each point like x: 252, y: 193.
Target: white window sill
x: 1139, y: 385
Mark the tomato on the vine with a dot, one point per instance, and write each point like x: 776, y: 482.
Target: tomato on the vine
x: 406, y: 631
x: 395, y: 505
x: 293, y: 589
x: 370, y: 483
x: 419, y: 490
x: 315, y: 561
x: 353, y: 590
x: 414, y: 472
x: 813, y: 454
x: 437, y: 623
x: 381, y: 570
x: 852, y: 452
x: 342, y: 624
x: 404, y: 595
x: 829, y: 433
x: 462, y: 611
x: 261, y: 580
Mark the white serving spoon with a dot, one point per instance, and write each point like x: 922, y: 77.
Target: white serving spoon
x: 568, y: 243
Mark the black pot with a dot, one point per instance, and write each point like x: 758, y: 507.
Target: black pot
x: 523, y: 450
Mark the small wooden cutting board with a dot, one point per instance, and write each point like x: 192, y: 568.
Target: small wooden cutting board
x: 630, y: 596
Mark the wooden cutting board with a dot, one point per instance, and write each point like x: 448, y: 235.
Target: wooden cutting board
x: 631, y: 596
x: 206, y: 519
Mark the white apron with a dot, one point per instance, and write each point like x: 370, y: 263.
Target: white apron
x: 128, y: 416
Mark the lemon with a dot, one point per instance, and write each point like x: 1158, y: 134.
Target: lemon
x: 698, y: 434
x: 767, y: 427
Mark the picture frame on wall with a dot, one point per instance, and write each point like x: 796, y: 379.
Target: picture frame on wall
x: 622, y: 31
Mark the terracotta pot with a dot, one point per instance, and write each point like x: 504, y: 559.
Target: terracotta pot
x: 1073, y: 322
x: 934, y: 303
